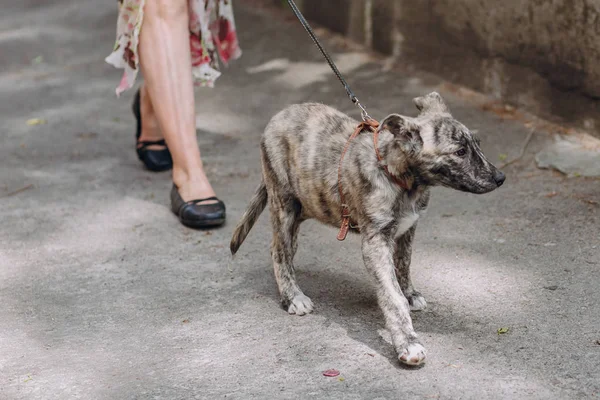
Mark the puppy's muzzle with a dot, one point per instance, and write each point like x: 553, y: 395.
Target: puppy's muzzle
x: 499, y: 177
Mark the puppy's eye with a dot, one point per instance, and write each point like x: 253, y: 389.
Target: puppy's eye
x: 461, y: 153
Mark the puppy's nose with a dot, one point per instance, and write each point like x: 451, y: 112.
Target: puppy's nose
x: 499, y: 177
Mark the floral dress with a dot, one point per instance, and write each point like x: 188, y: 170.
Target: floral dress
x: 212, y: 32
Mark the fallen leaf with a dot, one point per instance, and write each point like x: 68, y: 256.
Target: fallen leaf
x: 36, y: 121
x: 553, y: 287
x: 87, y: 135
x: 208, y: 233
x: 331, y: 373
x: 186, y: 321
x: 341, y: 379
x: 502, y: 331
x: 551, y: 194
x: 502, y: 157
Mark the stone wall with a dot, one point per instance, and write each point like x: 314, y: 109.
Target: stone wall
x: 543, y: 55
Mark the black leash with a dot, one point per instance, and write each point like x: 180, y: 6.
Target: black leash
x: 353, y: 98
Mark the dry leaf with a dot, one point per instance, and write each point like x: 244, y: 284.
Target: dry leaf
x: 36, y: 121
x: 87, y: 135
x: 503, y: 330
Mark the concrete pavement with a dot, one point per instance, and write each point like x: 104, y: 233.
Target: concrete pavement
x: 106, y: 296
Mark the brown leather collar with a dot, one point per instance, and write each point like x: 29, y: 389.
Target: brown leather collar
x: 373, y: 126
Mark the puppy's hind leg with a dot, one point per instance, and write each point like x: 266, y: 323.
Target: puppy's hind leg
x: 285, y: 218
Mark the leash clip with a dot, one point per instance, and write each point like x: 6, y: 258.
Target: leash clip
x: 363, y: 111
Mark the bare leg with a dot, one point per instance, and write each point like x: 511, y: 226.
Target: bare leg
x: 150, y: 129
x: 166, y: 64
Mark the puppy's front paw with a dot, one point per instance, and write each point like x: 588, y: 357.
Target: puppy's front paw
x: 413, y: 354
x: 417, y: 302
x: 300, y: 305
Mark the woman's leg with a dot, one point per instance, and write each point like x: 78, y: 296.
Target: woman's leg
x: 166, y: 65
x: 150, y: 129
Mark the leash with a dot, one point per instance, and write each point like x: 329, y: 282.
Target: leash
x: 367, y: 124
x: 363, y: 111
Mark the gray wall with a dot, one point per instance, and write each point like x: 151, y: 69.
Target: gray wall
x: 543, y: 55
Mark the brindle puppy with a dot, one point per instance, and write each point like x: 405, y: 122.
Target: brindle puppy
x: 300, y: 152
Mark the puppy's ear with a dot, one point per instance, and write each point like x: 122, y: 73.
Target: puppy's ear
x: 402, y: 128
x: 431, y: 103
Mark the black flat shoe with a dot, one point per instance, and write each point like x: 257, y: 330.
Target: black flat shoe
x: 154, y: 160
x: 194, y: 214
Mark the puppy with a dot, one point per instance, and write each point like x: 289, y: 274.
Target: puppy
x: 385, y: 189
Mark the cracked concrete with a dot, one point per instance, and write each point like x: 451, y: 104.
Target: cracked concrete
x: 106, y: 296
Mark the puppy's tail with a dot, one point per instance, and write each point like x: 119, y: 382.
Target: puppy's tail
x: 255, y: 208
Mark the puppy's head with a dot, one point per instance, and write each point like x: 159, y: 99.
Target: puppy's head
x: 438, y: 150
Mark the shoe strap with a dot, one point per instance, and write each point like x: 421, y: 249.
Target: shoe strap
x: 147, y: 143
x: 213, y: 198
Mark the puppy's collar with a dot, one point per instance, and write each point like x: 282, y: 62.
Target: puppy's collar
x: 373, y: 126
